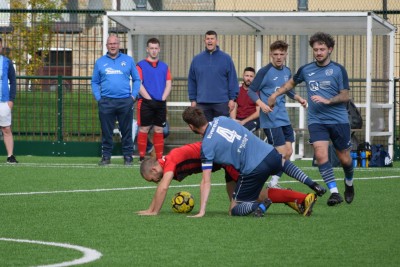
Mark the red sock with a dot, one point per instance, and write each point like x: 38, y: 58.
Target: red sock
x: 158, y: 141
x: 283, y: 196
x: 142, y: 143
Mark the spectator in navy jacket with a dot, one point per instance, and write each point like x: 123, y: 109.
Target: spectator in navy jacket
x: 212, y: 81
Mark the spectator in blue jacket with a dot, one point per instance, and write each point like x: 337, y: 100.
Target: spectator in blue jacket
x: 8, y: 91
x: 111, y: 88
x: 212, y: 82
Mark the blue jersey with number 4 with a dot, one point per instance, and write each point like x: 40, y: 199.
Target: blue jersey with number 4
x: 227, y: 142
x: 326, y: 81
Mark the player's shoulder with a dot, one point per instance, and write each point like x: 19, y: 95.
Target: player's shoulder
x: 265, y: 69
x: 337, y: 65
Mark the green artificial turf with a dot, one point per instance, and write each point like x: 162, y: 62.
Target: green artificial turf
x: 74, y: 201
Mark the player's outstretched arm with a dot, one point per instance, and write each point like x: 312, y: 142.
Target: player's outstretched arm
x: 280, y: 91
x: 159, y: 195
x: 205, y: 188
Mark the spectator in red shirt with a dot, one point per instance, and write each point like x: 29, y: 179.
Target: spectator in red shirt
x: 246, y: 112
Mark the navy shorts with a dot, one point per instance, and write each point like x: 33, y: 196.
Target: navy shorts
x: 151, y: 112
x: 339, y: 134
x: 280, y: 135
x: 249, y: 186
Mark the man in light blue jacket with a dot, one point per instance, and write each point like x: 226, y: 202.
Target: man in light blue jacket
x: 111, y: 87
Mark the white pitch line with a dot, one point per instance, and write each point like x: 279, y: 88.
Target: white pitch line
x: 89, y: 254
x: 153, y: 187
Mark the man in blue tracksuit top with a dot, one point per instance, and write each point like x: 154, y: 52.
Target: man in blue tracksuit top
x: 212, y: 80
x: 111, y: 89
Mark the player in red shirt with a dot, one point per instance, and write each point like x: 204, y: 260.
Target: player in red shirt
x: 185, y: 160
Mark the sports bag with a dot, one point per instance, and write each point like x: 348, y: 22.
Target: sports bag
x: 380, y: 157
x: 355, y: 119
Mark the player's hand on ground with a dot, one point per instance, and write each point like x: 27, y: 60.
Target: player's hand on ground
x: 198, y: 215
x: 146, y: 213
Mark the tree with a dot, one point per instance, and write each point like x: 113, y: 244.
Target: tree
x: 32, y: 21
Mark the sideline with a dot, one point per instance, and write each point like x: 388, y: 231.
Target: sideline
x: 89, y: 254
x: 154, y: 187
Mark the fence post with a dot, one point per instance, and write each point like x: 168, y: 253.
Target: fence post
x: 60, y: 108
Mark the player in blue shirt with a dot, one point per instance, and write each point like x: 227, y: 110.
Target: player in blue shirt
x: 229, y: 143
x: 275, y: 123
x: 328, y: 92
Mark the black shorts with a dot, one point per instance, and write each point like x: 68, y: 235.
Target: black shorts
x: 151, y: 112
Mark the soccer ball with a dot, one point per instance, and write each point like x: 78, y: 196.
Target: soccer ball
x: 182, y: 202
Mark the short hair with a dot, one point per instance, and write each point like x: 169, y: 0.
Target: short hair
x: 153, y: 41
x: 113, y: 35
x: 211, y: 32
x: 194, y: 116
x: 279, y: 44
x: 249, y: 69
x: 146, y: 165
x: 322, y: 38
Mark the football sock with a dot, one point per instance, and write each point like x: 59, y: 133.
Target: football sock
x: 348, y: 173
x: 274, y: 179
x: 142, y: 144
x: 244, y: 208
x: 293, y: 171
x: 158, y: 140
x: 326, y: 172
x: 277, y: 195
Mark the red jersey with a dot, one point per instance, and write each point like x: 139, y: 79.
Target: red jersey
x: 186, y: 160
x: 246, y: 106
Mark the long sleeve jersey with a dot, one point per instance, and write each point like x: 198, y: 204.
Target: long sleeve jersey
x: 8, y: 82
x: 112, y: 76
x: 227, y: 142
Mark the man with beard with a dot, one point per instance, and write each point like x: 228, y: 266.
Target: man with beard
x: 246, y: 112
x: 328, y: 92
